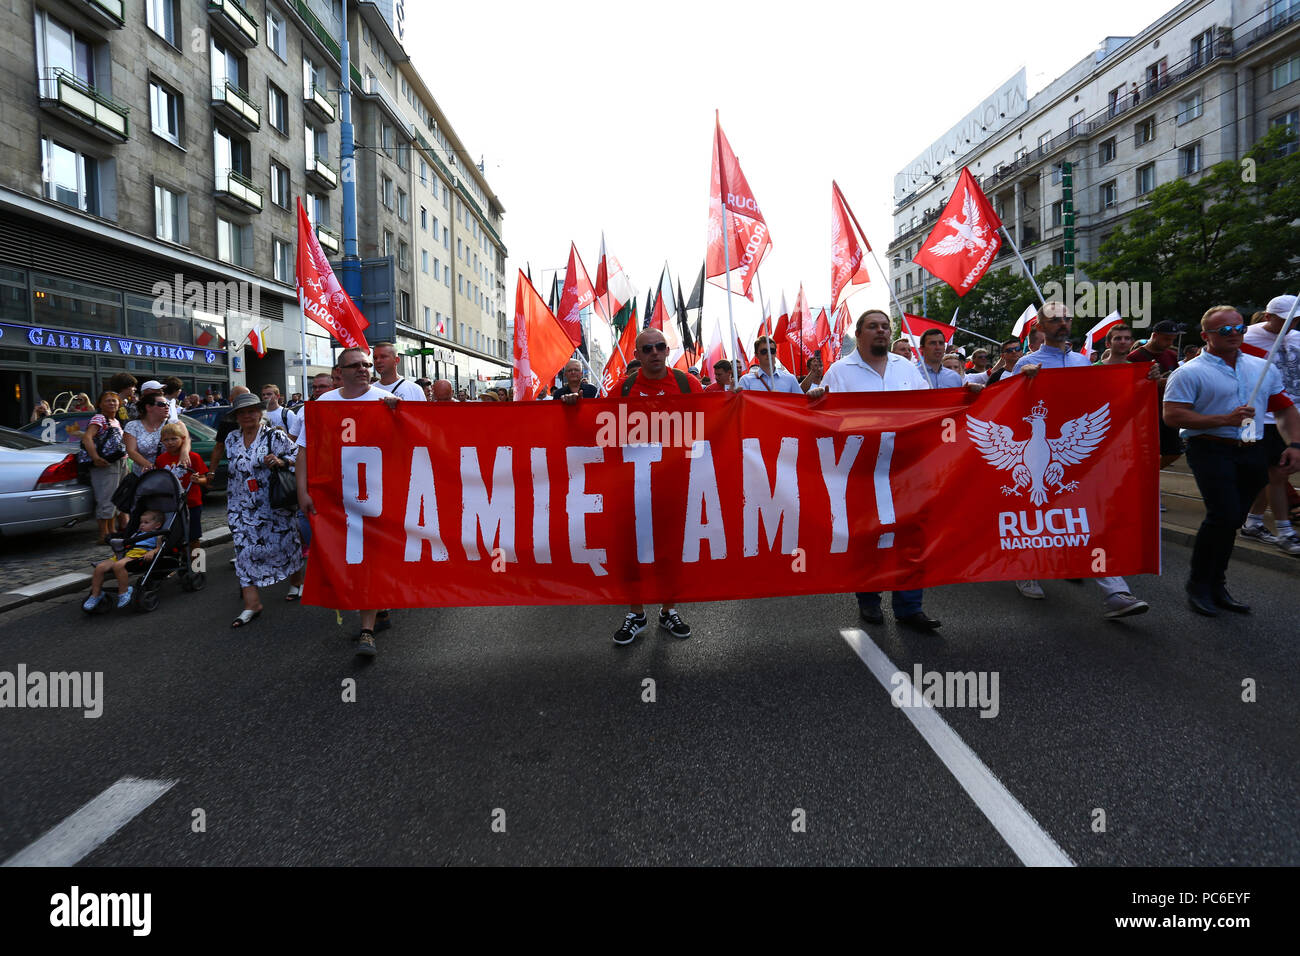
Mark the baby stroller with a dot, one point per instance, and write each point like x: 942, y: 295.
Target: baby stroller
x: 158, y: 490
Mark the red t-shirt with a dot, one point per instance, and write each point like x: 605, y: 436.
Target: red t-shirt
x: 715, y: 387
x: 193, y: 493
x: 650, y: 388
x: 1168, y: 359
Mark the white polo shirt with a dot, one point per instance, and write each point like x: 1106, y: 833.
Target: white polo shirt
x: 756, y: 380
x: 373, y: 395
x: 404, y: 389
x: 853, y: 374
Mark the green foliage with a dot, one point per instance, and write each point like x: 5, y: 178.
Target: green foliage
x: 992, y: 307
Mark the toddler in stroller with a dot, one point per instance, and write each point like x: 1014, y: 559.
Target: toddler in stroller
x: 153, y: 542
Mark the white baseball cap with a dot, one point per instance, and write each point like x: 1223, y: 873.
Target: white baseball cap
x: 1281, y: 305
x: 153, y: 385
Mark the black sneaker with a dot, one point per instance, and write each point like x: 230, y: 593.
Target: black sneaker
x: 382, y: 622
x: 366, y: 645
x: 633, y: 625
x: 674, y: 625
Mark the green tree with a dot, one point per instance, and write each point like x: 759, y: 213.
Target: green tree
x: 992, y: 307
x: 1231, y: 237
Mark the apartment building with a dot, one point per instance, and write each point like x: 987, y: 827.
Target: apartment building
x: 1199, y: 85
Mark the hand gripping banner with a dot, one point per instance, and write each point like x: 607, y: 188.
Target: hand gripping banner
x: 724, y: 496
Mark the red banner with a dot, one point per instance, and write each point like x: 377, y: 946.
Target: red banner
x: 733, y: 495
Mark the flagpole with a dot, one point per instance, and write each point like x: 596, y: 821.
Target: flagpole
x: 762, y: 302
x: 1286, y: 325
x: 977, y: 335
x: 1016, y: 250
x: 726, y: 231
x: 302, y: 336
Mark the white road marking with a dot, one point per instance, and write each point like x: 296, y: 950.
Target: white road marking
x: 74, y: 838
x: 1029, y: 841
x: 50, y: 584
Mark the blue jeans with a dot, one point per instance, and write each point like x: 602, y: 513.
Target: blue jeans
x: 904, y: 602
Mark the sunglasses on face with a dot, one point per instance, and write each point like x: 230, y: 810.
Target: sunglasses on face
x: 655, y: 347
x: 764, y: 351
x: 1011, y: 351
x: 1231, y: 329
x: 357, y: 365
x: 160, y: 405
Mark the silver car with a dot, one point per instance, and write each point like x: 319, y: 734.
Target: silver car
x: 39, y: 488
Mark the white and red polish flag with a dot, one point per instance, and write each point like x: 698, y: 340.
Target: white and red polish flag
x: 666, y: 322
x: 321, y: 296
x: 917, y: 325
x: 1097, y: 334
x: 965, y: 240
x: 847, y: 266
x: 257, y: 339
x: 613, y: 288
x: 1025, y: 324
x: 748, y: 241
x: 541, y: 347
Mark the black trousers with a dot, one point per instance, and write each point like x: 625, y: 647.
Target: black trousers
x: 1229, y: 478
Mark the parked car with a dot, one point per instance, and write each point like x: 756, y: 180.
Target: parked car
x: 70, y: 426
x: 209, y: 415
x: 39, y: 489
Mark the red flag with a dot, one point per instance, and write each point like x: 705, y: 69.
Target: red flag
x: 847, y: 267
x: 823, y: 335
x: 667, y: 324
x: 916, y: 326
x: 319, y: 293
x: 541, y: 346
x: 748, y: 241
x: 616, y: 367
x: 965, y: 240
x: 577, y: 295
x: 796, y: 336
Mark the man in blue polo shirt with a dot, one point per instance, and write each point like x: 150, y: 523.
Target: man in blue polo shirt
x: 1056, y: 352
x: 931, y: 364
x: 1207, y: 399
x: 766, y: 377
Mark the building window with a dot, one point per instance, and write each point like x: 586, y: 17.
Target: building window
x: 1106, y: 151
x: 1044, y: 140
x: 1291, y: 121
x: 1157, y: 76
x: 1115, y: 101
x: 428, y: 320
x: 1058, y: 257
x: 437, y: 269
x: 403, y: 206
x: 284, y: 264
x: 446, y: 276
x: 279, y: 185
x: 227, y: 67
x: 1146, y: 178
x: 231, y: 242
x: 424, y: 260
x: 388, y: 243
x: 277, y: 107
x: 275, y: 35
x: 460, y: 250
x: 387, y: 194
x: 460, y: 284
x: 387, y: 138
x: 1058, y: 170
x: 169, y: 215
x: 165, y: 112
x: 1189, y: 159
x: 1201, y: 47
x: 1029, y: 266
x: 318, y: 210
x: 424, y: 220
x: 1145, y: 131
x: 71, y: 177
x: 404, y: 307
x: 1287, y: 71
x: 1189, y: 108
x: 1076, y: 123
x: 1058, y: 212
x: 1108, y: 195
x: 162, y: 17
x: 231, y: 153
x: 60, y: 49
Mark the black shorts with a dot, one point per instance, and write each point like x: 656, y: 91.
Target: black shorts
x: 1170, y: 443
x: 1273, y: 444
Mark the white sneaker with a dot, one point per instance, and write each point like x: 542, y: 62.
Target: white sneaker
x: 1258, y: 532
x: 1123, y: 604
x: 1030, y: 589
x: 1290, y: 543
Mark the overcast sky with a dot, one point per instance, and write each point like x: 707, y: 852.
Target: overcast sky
x: 599, y: 115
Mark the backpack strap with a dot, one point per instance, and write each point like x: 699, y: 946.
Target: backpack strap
x: 683, y: 382
x: 631, y: 380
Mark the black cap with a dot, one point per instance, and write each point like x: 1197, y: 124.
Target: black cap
x: 1168, y: 327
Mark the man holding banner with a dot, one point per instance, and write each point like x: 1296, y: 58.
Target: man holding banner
x: 872, y: 367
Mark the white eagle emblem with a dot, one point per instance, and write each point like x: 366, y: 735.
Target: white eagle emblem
x: 1039, y: 461
x: 969, y: 234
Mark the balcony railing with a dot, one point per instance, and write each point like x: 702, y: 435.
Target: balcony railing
x: 108, y: 13
x: 239, y: 24
x: 238, y: 190
x: 316, y: 101
x: 237, y: 105
x: 321, y: 172
x: 329, y: 240
x: 98, y: 112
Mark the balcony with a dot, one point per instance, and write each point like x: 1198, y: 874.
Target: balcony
x: 235, y: 21
x: 321, y: 173
x: 234, y: 104
x: 238, y: 192
x: 329, y: 240
x: 107, y: 13
x: 319, y: 105
x: 69, y: 95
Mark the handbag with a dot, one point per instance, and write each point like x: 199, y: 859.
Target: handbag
x: 282, y: 487
x: 124, y: 496
x: 108, y: 443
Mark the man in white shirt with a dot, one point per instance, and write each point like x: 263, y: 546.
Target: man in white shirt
x: 385, y: 356
x: 872, y: 367
x: 766, y: 377
x: 356, y: 387
x: 277, y: 414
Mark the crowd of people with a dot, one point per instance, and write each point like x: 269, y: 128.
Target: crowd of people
x: 1203, y: 409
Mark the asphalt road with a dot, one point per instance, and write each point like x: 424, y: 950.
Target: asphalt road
x: 531, y: 718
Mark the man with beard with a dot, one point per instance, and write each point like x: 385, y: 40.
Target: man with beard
x: 872, y: 367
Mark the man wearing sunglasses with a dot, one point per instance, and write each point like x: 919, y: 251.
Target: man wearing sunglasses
x: 355, y: 368
x: 651, y: 380
x: 872, y: 367
x: 766, y: 377
x: 1008, y: 354
x: 1054, y: 320
x: 1207, y: 399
